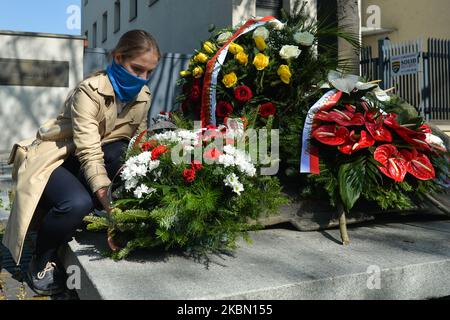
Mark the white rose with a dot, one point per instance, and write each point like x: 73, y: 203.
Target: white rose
x: 304, y: 38
x: 261, y: 32
x: 224, y: 37
x: 288, y: 52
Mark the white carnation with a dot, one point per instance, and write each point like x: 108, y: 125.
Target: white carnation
x: 261, y: 32
x: 143, y: 189
x: 304, y: 38
x: 226, y: 160
x: 288, y: 52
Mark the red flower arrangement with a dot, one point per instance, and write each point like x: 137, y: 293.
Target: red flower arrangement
x: 344, y: 129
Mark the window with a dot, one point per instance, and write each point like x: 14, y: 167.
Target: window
x: 105, y: 26
x: 268, y: 8
x: 94, y: 35
x: 133, y: 9
x: 86, y: 41
x: 85, y: 2
x: 116, y: 16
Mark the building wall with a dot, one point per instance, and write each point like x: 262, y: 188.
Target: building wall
x: 24, y: 108
x: 411, y: 19
x: 178, y: 26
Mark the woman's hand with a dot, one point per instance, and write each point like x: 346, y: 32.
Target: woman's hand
x: 102, y: 196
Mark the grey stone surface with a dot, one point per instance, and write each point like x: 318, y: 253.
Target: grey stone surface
x: 413, y: 259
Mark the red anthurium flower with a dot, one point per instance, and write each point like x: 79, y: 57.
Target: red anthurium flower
x: 376, y: 128
x: 350, y: 108
x: 425, y: 128
x: 419, y: 165
x: 346, y: 118
x: 331, y: 135
x: 212, y: 154
x: 357, y: 142
x: 394, y: 164
x: 417, y: 139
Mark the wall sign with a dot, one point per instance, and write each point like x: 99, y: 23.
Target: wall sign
x: 36, y: 73
x: 405, y: 64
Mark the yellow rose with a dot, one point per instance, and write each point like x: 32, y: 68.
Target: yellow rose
x: 198, y: 71
x: 201, y: 57
x: 285, y: 73
x: 261, y: 61
x: 260, y: 43
x: 242, y: 58
x: 185, y: 73
x: 209, y: 47
x: 235, y: 48
x: 229, y: 80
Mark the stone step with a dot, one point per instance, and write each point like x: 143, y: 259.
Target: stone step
x: 385, y: 260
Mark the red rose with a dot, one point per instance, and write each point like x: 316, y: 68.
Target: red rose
x: 189, y: 175
x: 224, y: 109
x: 196, y: 93
x: 267, y: 109
x: 243, y: 94
x: 196, y: 165
x: 158, y: 151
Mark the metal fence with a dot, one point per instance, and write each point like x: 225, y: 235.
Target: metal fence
x: 427, y: 86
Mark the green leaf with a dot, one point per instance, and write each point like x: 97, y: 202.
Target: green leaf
x: 351, y: 178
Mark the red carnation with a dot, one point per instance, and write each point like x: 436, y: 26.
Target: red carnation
x: 267, y: 109
x: 189, y: 175
x: 158, y: 151
x: 196, y: 165
x: 146, y: 146
x: 224, y: 109
x: 243, y: 94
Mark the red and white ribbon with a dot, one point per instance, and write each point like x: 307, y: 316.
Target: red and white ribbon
x: 309, y: 161
x: 213, y: 67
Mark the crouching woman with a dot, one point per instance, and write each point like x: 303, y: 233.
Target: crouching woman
x: 64, y: 172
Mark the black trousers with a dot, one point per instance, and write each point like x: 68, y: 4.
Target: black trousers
x: 69, y: 199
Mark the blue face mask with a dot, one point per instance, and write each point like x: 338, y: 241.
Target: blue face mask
x: 125, y: 84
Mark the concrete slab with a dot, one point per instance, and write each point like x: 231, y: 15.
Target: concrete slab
x: 411, y: 261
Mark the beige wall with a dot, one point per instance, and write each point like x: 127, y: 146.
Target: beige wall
x: 411, y: 19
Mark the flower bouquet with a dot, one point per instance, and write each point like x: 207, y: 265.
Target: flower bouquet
x: 264, y: 71
x: 189, y: 189
x: 361, y: 143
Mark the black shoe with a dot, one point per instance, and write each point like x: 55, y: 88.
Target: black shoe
x: 45, y: 281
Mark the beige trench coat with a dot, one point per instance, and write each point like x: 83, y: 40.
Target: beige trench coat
x: 88, y: 121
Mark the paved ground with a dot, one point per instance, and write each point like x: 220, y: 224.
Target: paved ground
x: 411, y: 256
